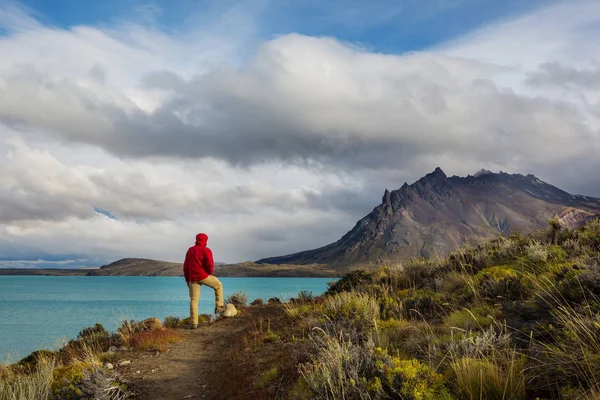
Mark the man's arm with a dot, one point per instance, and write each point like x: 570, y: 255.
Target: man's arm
x: 186, y: 268
x: 210, y: 263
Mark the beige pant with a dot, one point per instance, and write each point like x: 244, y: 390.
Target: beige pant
x: 194, y: 287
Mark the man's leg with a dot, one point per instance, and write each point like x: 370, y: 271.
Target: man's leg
x: 194, y: 297
x: 216, y: 284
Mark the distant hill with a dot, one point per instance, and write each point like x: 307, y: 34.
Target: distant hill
x: 438, y: 214
x: 147, y: 267
x: 44, y: 271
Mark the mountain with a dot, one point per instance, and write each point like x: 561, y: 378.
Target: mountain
x: 437, y: 214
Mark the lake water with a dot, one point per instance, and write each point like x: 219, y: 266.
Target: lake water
x: 35, y: 311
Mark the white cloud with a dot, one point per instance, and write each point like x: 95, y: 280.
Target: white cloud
x: 175, y: 133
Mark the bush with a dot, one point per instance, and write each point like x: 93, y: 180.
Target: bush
x: 238, y: 299
x: 305, y: 296
x: 350, y: 281
x: 501, y: 282
x: 425, y: 303
x: 157, y: 339
x: 34, y: 383
x: 274, y: 300
x: 477, y: 379
x: 354, y: 309
x: 257, y: 302
x: 171, y: 321
x: 93, y: 331
x: 476, y: 318
x: 411, y: 379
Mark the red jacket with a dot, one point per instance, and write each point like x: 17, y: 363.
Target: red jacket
x: 198, y: 264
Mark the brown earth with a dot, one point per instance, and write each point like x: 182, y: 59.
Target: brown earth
x: 220, y: 360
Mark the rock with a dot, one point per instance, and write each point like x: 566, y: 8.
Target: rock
x: 124, y: 363
x: 138, y: 372
x: 112, y: 349
x: 230, y: 311
x: 151, y: 324
x: 109, y: 366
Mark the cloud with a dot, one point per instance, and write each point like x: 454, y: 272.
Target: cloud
x: 146, y: 137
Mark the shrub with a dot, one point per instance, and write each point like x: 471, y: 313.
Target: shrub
x: 257, y: 302
x: 267, y: 377
x: 425, y: 303
x: 476, y: 318
x: 157, y: 339
x: 572, y: 358
x: 238, y: 299
x: 355, y: 309
x: 68, y: 380
x: 274, y: 300
x: 339, y: 370
x: 33, y: 383
x: 305, y: 296
x: 411, y: 379
x: 171, y: 321
x: 501, y: 282
x: 420, y: 272
x: 477, y: 379
x: 93, y: 331
x: 352, y: 280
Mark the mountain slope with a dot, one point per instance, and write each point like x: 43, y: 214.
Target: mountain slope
x: 437, y: 214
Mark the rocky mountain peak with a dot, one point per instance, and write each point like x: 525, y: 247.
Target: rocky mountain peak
x: 436, y: 214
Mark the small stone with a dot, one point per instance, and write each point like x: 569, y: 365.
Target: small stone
x: 112, y: 349
x: 138, y: 372
x: 153, y: 371
x: 189, y: 396
x: 109, y: 366
x: 230, y: 311
x: 124, y: 363
x: 151, y: 324
x: 157, y: 353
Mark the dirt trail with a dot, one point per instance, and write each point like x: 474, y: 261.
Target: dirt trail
x: 205, y: 365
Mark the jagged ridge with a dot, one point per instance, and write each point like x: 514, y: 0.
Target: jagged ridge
x: 437, y: 214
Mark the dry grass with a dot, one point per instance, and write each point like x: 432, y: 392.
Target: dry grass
x: 489, y: 379
x: 157, y: 339
x: 26, y: 385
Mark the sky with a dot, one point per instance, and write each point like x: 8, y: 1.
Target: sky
x: 126, y: 127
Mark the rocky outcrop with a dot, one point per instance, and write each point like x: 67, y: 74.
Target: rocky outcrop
x: 437, y: 214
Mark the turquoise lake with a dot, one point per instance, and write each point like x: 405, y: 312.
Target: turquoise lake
x: 37, y: 311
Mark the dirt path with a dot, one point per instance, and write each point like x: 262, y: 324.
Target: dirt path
x: 205, y: 365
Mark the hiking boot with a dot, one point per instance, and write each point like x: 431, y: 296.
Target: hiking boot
x: 220, y: 309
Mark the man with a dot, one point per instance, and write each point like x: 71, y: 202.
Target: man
x: 198, y: 270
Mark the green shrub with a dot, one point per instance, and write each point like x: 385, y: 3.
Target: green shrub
x: 274, y: 300
x: 93, y: 331
x: 476, y: 318
x: 425, y: 304
x: 477, y: 379
x: 267, y: 378
x: 171, y: 321
x: 355, y: 309
x: 411, y: 379
x: 501, y: 282
x: 350, y: 281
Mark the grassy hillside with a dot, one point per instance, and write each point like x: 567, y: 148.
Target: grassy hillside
x: 514, y: 318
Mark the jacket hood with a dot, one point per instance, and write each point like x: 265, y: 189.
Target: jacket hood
x: 201, y: 239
